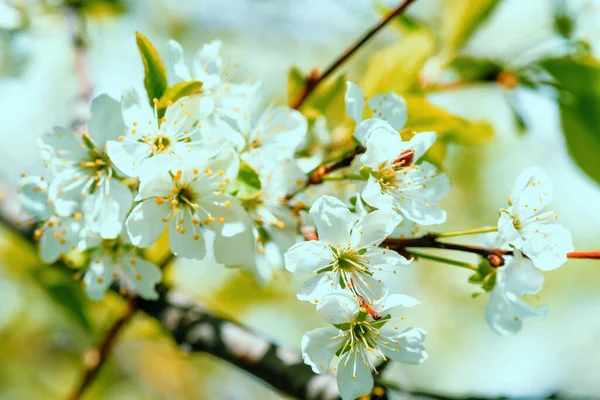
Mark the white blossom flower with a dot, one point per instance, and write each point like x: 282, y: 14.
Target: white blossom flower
x: 357, y: 342
x: 396, y: 182
x: 117, y: 260
x: 219, y: 100
x: 57, y: 235
x: 86, y: 171
x: 271, y: 134
x: 270, y: 224
x: 185, y: 201
x: 388, y: 107
x: 346, y: 254
x: 531, y: 226
x: 506, y: 308
x: 151, y: 145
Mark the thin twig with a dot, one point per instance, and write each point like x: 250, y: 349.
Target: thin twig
x: 314, y: 79
x: 95, y: 359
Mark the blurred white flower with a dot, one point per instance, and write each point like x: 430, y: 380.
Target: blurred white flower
x: 385, y: 107
x: 358, y: 342
x: 85, y: 171
x: 117, y: 259
x: 57, y: 234
x: 187, y: 201
x: 396, y: 182
x: 531, y: 226
x: 346, y: 254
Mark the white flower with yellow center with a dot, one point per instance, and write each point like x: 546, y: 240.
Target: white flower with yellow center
x: 117, y: 260
x: 57, y: 234
x: 397, y: 182
x: 346, y: 255
x: 185, y: 201
x: 530, y: 225
x: 151, y: 145
x: 85, y: 171
x: 358, y: 342
x: 271, y: 225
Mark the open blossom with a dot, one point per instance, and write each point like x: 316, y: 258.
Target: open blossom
x: 220, y: 101
x: 85, y: 171
x: 531, y: 226
x: 186, y: 201
x: 388, y: 107
x: 506, y: 307
x: 346, y: 254
x: 271, y: 226
x: 357, y: 342
x: 117, y: 260
x: 57, y: 234
x: 397, y: 182
x: 151, y: 145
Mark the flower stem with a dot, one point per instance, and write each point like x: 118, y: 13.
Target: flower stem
x: 444, y: 260
x: 467, y: 232
x: 314, y: 79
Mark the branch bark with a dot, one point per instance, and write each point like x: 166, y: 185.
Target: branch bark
x: 314, y: 78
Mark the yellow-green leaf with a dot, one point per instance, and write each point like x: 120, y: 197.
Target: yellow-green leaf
x: 396, y: 68
x: 155, y: 73
x: 296, y: 83
x: 177, y: 91
x: 424, y: 116
x: 461, y: 18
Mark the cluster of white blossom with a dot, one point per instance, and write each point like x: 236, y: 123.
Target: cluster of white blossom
x: 217, y: 159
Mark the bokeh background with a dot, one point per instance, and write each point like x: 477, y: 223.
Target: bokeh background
x: 46, y: 325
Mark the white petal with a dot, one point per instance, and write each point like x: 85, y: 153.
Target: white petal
x: 99, y: 277
x: 155, y: 186
x: 391, y: 108
x: 338, y: 308
x: 186, y: 238
x: 548, y: 247
x: 386, y: 260
x: 491, y: 240
x: 374, y: 228
x: 383, y: 147
x: 207, y: 63
x: 373, y: 196
x: 396, y: 300
x: 319, y: 346
x: 354, y: 377
x: 145, y: 222
x: 60, y: 239
x: 61, y: 144
x: 355, y: 101
x: 128, y: 156
x: 505, y: 312
x: 307, y: 257
x: 409, y: 347
x: 136, y: 110
x: 177, y: 62
x: 281, y: 128
x: 507, y: 230
x: 531, y: 186
x: 106, y: 122
x: 317, y: 287
x: 370, y: 288
x: 142, y: 274
x: 368, y: 127
x: 420, y: 143
x: 418, y: 193
x: 519, y: 276
x: 33, y: 196
x: 108, y: 212
x: 333, y: 220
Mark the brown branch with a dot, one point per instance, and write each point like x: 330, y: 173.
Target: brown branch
x: 314, y: 79
x: 592, y: 255
x: 95, y: 359
x: 316, y: 176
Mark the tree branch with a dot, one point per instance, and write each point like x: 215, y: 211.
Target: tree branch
x: 314, y: 79
x: 95, y: 359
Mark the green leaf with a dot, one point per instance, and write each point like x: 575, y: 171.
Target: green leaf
x: 461, y: 18
x: 155, y: 73
x: 476, y: 69
x: 175, y: 92
x: 580, y: 108
x: 296, y: 83
x: 66, y: 293
x: 249, y: 176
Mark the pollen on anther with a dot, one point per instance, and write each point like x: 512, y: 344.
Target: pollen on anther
x: 138, y: 277
x: 196, y: 237
x: 121, y: 138
x: 222, y: 220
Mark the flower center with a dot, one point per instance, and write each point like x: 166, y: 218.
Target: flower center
x: 160, y: 144
x: 349, y: 260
